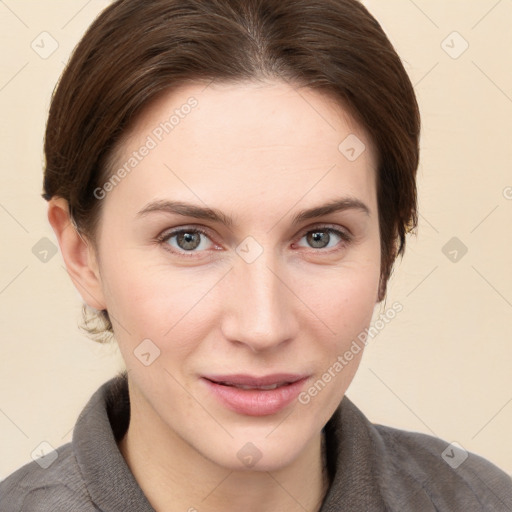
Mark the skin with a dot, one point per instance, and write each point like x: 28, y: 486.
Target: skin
x: 259, y: 153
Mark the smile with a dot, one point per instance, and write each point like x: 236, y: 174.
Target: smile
x: 255, y: 396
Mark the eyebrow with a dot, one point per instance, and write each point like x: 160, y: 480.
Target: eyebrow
x: 215, y: 215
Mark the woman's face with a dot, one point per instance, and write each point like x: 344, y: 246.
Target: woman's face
x: 254, y: 288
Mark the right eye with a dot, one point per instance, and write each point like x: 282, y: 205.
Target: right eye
x: 184, y: 241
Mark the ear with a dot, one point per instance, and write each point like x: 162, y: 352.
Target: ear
x: 79, y: 256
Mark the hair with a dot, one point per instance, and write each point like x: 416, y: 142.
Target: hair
x: 135, y: 50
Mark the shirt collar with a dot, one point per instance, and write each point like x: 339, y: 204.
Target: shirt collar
x: 352, y: 461
x: 110, y: 482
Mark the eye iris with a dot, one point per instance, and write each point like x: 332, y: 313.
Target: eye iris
x: 318, y: 237
x: 189, y: 239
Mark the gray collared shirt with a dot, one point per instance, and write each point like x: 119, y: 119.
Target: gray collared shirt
x: 372, y: 468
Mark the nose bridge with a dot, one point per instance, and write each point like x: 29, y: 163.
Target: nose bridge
x: 260, y: 312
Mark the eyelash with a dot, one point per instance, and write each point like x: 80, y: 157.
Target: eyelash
x: 167, y: 235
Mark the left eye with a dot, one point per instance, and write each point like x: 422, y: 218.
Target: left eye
x: 321, y: 238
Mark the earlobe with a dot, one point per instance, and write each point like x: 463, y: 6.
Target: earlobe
x: 78, y: 255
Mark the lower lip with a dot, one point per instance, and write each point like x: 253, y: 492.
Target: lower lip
x: 256, y: 402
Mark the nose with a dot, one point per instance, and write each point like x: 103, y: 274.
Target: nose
x: 258, y: 305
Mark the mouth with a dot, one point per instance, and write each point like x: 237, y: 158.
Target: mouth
x: 244, y: 386
x: 243, y: 381
x: 255, y: 396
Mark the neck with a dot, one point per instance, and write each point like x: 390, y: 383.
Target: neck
x: 175, y: 477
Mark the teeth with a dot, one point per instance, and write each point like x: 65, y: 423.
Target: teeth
x: 241, y: 386
x: 272, y: 386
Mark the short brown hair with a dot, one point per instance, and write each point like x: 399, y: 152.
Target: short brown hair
x: 137, y: 49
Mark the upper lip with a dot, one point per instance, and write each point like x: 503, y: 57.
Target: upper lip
x: 250, y: 380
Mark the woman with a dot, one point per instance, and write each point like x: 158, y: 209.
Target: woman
x: 230, y: 183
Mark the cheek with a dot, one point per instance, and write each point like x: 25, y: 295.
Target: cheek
x: 343, y: 298
x: 156, y: 302
x: 345, y: 303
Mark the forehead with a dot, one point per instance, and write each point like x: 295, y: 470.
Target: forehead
x: 252, y: 139
x: 248, y: 113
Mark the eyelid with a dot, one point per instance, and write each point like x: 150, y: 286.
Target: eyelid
x: 334, y: 227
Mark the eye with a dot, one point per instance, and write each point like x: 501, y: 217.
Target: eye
x: 322, y: 236
x: 191, y: 241
x: 185, y: 240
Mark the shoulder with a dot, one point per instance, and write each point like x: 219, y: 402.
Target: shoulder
x: 446, y: 472
x: 52, y: 482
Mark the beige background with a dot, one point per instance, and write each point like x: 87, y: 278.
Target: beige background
x: 442, y: 366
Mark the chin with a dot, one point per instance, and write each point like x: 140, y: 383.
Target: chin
x: 260, y: 452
